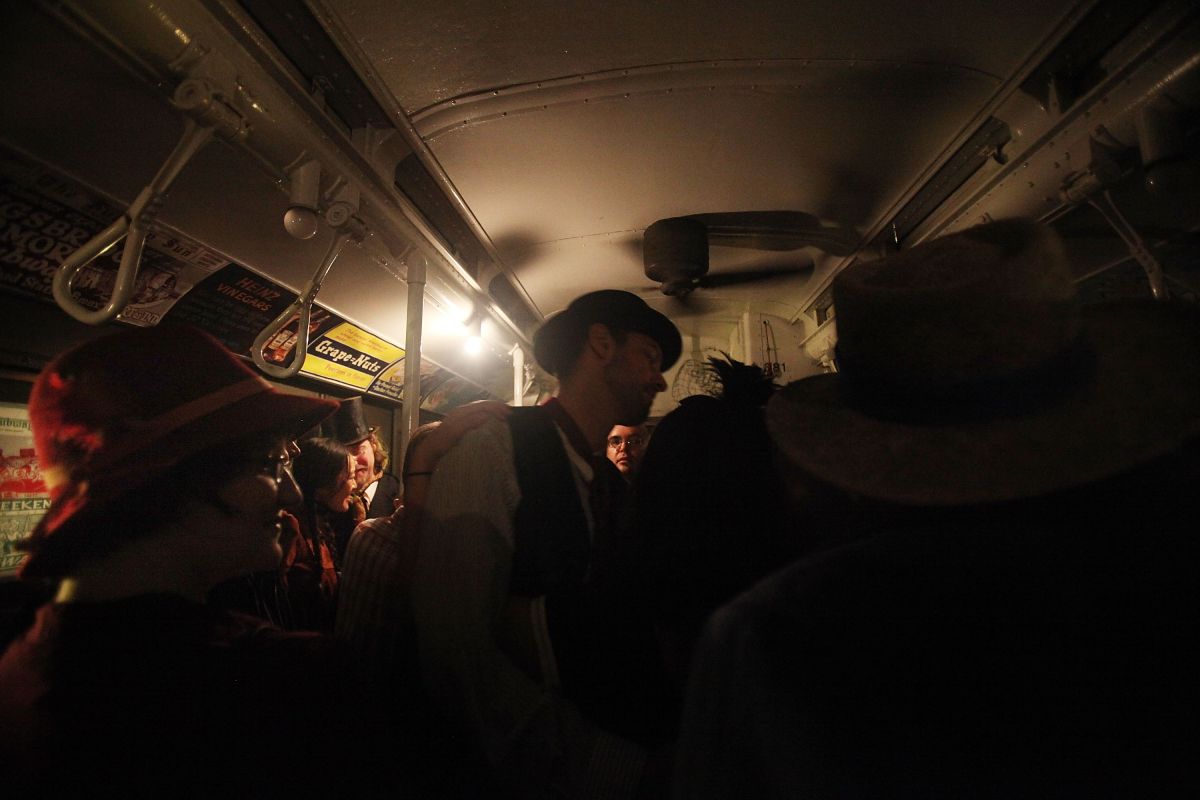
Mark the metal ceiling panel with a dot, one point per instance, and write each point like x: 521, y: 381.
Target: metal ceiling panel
x: 431, y: 52
x: 587, y: 177
x: 568, y: 128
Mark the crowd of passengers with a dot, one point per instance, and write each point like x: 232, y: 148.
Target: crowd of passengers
x: 963, y: 564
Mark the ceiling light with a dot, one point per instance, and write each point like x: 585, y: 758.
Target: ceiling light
x: 474, y: 343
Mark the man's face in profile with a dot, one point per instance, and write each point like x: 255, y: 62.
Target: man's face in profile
x: 626, y: 446
x: 634, y: 376
x: 364, y: 463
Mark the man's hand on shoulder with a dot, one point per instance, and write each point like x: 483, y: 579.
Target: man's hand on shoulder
x: 457, y: 424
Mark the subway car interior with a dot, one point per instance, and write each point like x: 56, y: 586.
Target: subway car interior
x: 386, y: 199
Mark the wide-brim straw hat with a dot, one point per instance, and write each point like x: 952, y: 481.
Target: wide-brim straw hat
x: 559, y: 340
x: 112, y: 414
x: 970, y: 373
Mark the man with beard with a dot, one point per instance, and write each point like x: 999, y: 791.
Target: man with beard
x: 517, y: 592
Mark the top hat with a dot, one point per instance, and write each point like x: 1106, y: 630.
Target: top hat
x: 968, y: 372
x: 559, y: 339
x: 347, y: 425
x: 115, y: 412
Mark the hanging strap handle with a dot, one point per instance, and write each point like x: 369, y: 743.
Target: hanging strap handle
x: 1103, y: 203
x: 206, y: 113
x: 302, y: 305
x: 133, y: 226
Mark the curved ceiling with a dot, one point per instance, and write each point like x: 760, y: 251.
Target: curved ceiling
x: 569, y: 128
x: 431, y: 52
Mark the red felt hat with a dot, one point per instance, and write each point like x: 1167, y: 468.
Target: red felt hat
x: 111, y: 414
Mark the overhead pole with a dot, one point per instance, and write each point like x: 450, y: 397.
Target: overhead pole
x: 411, y: 411
x: 518, y: 357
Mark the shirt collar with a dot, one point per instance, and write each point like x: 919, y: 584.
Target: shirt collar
x: 571, y: 428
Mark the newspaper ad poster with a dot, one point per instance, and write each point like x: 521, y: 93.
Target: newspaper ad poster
x: 442, y: 389
x: 234, y: 305
x: 390, y: 383
x: 23, y: 494
x: 44, y: 218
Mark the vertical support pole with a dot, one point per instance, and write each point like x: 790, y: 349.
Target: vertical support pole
x: 518, y: 357
x: 412, y: 348
x: 747, y: 347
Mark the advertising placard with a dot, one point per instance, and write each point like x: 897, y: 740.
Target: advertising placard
x: 23, y: 494
x: 390, y: 382
x: 350, y: 355
x: 44, y: 218
x: 234, y: 305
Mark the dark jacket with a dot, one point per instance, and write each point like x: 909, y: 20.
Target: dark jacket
x: 386, y: 493
x: 157, y: 696
x: 607, y: 657
x: 1040, y: 648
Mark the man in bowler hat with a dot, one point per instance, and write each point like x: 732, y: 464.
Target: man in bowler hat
x: 512, y: 571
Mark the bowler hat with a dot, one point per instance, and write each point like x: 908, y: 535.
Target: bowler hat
x: 559, y: 340
x: 115, y: 412
x: 968, y: 372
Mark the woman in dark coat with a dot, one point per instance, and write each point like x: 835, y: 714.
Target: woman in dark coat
x: 324, y: 470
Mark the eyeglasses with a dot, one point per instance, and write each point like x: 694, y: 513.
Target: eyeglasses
x: 617, y: 442
x: 277, y: 465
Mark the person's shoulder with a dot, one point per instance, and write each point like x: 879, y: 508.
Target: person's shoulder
x: 490, y: 436
x: 375, y: 530
x: 812, y: 581
x: 374, y: 526
x: 881, y: 586
x: 477, y: 469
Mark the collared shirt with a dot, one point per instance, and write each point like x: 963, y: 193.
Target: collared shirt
x: 374, y: 609
x: 596, y: 493
x: 506, y: 697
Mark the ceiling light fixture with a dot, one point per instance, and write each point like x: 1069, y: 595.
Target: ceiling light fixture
x: 474, y: 343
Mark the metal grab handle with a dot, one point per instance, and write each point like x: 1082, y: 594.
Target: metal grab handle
x: 303, y: 305
x: 1137, y: 247
x: 132, y: 226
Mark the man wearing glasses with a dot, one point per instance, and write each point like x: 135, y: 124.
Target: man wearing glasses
x: 626, y: 446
